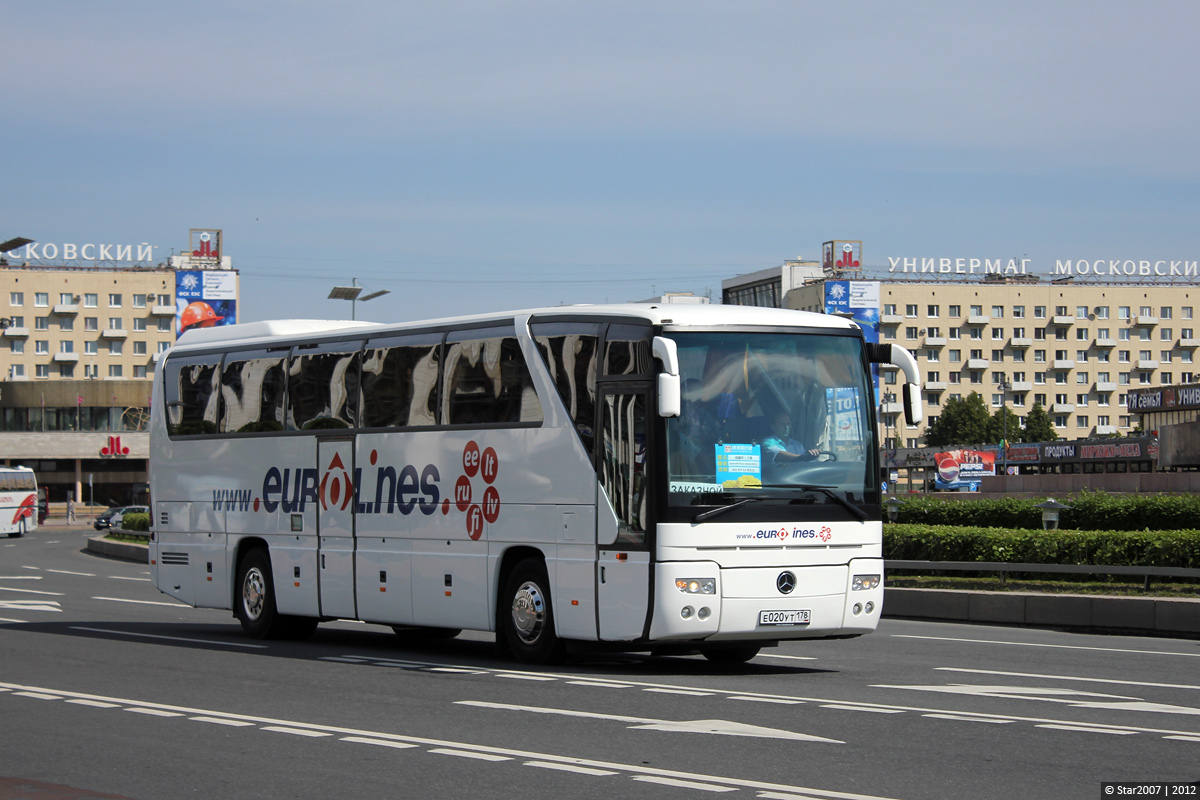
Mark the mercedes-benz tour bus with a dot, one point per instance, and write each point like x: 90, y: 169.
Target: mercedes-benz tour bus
x: 697, y: 479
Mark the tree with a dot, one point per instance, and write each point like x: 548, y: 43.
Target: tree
x: 1037, y: 425
x: 997, y: 430
x: 962, y: 421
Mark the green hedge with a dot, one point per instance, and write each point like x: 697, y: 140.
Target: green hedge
x: 909, y: 542
x: 135, y: 522
x: 1090, y: 511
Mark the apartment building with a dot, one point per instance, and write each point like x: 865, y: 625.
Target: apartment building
x: 1076, y: 345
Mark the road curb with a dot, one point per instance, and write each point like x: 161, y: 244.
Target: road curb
x: 1160, y: 615
x: 130, y: 551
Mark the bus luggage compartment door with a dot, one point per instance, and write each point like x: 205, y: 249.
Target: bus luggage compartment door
x: 335, y: 527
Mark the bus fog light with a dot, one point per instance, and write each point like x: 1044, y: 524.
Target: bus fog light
x: 862, y: 582
x: 870, y: 607
x: 704, y: 613
x: 687, y: 612
x: 696, y: 585
x: 857, y: 609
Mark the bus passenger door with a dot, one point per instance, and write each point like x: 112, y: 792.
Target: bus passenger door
x: 622, y: 514
x: 335, y: 527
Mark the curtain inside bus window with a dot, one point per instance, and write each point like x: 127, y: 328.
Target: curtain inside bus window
x: 400, y: 382
x: 623, y: 472
x: 569, y: 351
x: 627, y: 351
x: 487, y: 381
x: 322, y: 388
x: 252, y: 393
x: 191, y: 396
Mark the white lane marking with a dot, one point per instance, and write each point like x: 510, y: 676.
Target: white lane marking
x: 1090, y: 729
x: 234, y: 723
x: 601, y: 684
x: 170, y: 638
x: 685, y: 692
x: 68, y: 572
x: 1080, y: 678
x: 26, y: 566
x: 296, y: 731
x: 39, y: 695
x: 141, y: 602
x: 700, y: 787
x: 631, y: 769
x: 9, y: 619
x: 458, y: 670
x: 870, y: 709
x: 782, y: 796
x: 126, y: 578
x: 519, y: 677
x: 30, y: 605
x: 29, y: 591
x: 714, y: 726
x: 1184, y: 738
x: 449, y: 751
x: 1043, y: 644
x: 1071, y: 697
x: 961, y: 718
x: 154, y: 712
x: 789, y: 658
x: 20, y: 577
x: 378, y: 742
x: 777, y: 700
x: 569, y: 768
x: 92, y: 703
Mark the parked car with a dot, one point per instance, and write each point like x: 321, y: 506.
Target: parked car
x: 111, y: 518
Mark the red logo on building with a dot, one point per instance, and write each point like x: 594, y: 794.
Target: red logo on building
x: 114, y: 448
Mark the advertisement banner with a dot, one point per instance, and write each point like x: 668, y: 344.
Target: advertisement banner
x: 963, y: 470
x: 204, y: 299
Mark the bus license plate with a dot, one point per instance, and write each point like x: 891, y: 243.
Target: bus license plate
x: 793, y: 617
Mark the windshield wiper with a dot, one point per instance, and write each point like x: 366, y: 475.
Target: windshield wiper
x: 716, y: 512
x: 828, y: 492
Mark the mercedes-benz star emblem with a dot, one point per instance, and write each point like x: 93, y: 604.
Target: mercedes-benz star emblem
x: 785, y: 583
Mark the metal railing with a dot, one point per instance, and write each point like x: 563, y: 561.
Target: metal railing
x: 1005, y: 567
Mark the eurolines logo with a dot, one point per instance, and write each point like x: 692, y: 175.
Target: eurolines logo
x: 378, y: 489
x: 783, y: 534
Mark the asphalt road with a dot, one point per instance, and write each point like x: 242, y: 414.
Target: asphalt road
x: 109, y: 688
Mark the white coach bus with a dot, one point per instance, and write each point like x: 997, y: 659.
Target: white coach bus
x: 698, y: 479
x: 18, y: 501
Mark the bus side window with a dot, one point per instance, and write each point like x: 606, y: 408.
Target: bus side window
x: 192, y: 396
x: 400, y: 382
x: 570, y: 352
x: 252, y: 393
x: 627, y: 351
x: 487, y: 380
x: 322, y: 388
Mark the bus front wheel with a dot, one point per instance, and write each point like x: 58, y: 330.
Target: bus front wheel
x: 20, y: 531
x: 526, y: 624
x: 255, y: 604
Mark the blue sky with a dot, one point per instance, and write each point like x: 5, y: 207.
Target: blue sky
x: 485, y: 156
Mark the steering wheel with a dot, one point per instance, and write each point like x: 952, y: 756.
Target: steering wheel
x: 832, y: 456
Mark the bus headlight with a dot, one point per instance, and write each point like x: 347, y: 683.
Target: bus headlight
x: 696, y: 585
x: 861, y: 582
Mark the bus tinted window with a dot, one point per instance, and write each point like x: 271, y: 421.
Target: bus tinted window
x: 487, y: 381
x: 192, y: 397
x: 322, y: 387
x: 252, y: 393
x: 400, y: 382
x: 627, y: 351
x: 570, y: 351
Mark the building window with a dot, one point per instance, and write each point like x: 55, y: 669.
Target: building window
x: 910, y: 310
x: 1039, y: 312
x: 41, y: 347
x: 17, y: 346
x: 976, y: 332
x: 1102, y: 419
x: 956, y: 311
x: 910, y: 332
x: 139, y: 371
x: 139, y: 348
x: 1165, y: 378
x: 41, y: 371
x: 41, y: 323
x: 17, y: 371
x: 164, y: 324
x: 1081, y: 312
x: 116, y: 324
x: 1019, y: 312
x: 955, y: 356
x: 1101, y: 312
x: 66, y: 346
x: 976, y: 311
x: 1186, y: 311
x: 66, y: 324
x: 90, y: 300
x: 1165, y: 312
x: 66, y: 371
x: 932, y: 311
x: 955, y: 333
x: 998, y: 312
x: 91, y: 324
x: 139, y: 324
x: 41, y: 299
x: 164, y: 347
x: 997, y: 333
x: 997, y: 355
x: 1081, y: 422
x: 1039, y: 356
x: 116, y: 347
x: 955, y: 377
x: 1123, y: 312
x: 1081, y: 334
x: 114, y: 370
x: 91, y: 348
x: 1165, y: 334
x: 114, y: 301
x: 139, y: 301
x: 1060, y: 334
x: 16, y: 298
x: 1060, y: 420
x: 1039, y: 334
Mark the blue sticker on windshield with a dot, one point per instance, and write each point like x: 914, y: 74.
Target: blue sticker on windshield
x: 739, y: 465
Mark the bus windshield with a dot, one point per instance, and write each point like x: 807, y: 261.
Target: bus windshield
x: 770, y: 414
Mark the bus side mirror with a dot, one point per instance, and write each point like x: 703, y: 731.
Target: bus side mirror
x: 913, y: 412
x: 669, y: 393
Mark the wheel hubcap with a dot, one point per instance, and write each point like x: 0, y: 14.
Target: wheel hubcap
x: 529, y: 612
x: 254, y: 589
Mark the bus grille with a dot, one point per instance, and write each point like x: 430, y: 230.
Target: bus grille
x: 180, y: 559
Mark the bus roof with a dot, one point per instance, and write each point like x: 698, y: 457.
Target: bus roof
x: 672, y: 316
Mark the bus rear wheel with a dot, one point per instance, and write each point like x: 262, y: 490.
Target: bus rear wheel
x: 526, y: 624
x: 20, y: 531
x: 255, y: 603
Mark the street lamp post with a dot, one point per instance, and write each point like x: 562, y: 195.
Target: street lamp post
x: 1005, y: 386
x: 352, y: 293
